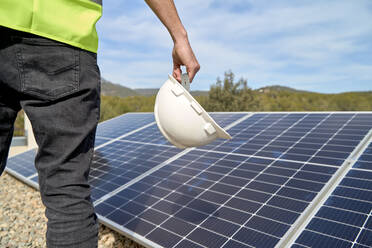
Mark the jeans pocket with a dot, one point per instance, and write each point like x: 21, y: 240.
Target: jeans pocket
x: 48, y: 70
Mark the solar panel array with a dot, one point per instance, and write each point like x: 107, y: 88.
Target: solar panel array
x: 250, y: 191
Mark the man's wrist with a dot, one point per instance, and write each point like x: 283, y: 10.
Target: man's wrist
x: 179, y: 36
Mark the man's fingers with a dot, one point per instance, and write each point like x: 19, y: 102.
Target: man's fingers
x: 177, y: 72
x: 183, y: 55
x: 192, y: 70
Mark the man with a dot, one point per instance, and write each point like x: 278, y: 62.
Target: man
x: 48, y: 67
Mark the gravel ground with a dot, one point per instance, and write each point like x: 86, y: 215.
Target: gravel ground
x: 22, y: 221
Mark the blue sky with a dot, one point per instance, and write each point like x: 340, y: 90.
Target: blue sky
x: 318, y: 45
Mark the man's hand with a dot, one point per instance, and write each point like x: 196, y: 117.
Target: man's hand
x: 182, y: 53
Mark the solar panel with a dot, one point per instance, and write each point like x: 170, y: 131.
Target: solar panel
x: 216, y: 193
x: 345, y: 219
x: 316, y: 138
x: 250, y: 191
x: 22, y: 166
x: 120, y: 162
x: 123, y: 124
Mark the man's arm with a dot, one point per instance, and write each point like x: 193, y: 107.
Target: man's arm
x: 182, y: 51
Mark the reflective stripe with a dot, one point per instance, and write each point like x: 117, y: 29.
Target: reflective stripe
x: 68, y: 21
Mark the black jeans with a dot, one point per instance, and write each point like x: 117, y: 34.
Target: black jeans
x: 58, y: 86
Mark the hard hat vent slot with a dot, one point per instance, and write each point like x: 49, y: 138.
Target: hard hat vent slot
x: 209, y: 128
x: 177, y: 91
x: 198, y: 110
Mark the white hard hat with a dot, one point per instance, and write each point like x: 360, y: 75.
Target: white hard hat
x: 181, y: 119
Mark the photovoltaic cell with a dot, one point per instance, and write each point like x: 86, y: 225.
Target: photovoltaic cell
x: 99, y: 141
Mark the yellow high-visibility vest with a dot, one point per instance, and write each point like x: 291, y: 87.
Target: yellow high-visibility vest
x: 68, y: 21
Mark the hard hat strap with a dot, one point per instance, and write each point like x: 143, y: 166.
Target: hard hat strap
x: 185, y: 81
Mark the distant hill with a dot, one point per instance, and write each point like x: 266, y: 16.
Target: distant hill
x: 152, y: 92
x: 279, y: 88
x: 199, y: 93
x: 147, y: 92
x: 111, y: 89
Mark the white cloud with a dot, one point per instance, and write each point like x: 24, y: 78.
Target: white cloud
x: 303, y: 44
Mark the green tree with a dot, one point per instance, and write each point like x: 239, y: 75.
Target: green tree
x: 228, y: 95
